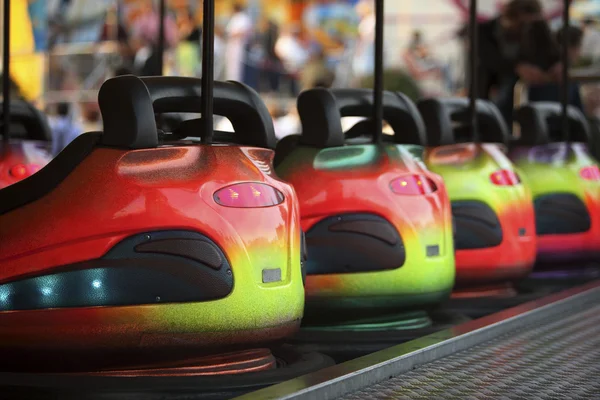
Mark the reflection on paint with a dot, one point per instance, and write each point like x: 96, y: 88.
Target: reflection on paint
x: 346, y: 157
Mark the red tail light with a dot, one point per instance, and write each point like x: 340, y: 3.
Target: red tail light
x: 22, y: 171
x: 18, y: 171
x: 591, y: 173
x: 505, y: 177
x: 248, y: 195
x: 413, y: 185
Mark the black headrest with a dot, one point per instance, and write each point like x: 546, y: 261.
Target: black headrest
x: 33, y: 120
x: 320, y: 119
x: 442, y: 115
x: 321, y: 111
x: 541, y: 123
x: 398, y: 110
x: 128, y: 105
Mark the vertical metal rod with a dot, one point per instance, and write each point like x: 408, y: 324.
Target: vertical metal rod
x: 473, y: 58
x: 208, y: 53
x: 565, y: 71
x: 161, y: 38
x: 378, y: 84
x: 6, y: 70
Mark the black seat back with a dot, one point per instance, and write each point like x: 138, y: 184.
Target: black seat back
x: 321, y: 111
x: 33, y: 122
x: 447, y: 121
x: 541, y: 123
x: 129, y: 104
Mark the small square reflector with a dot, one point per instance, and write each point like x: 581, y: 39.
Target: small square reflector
x: 433, y: 251
x: 271, y: 275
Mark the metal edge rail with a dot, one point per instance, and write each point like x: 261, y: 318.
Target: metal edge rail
x: 374, y: 368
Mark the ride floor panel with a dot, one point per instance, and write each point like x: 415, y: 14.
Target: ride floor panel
x: 557, y: 358
x: 548, y: 348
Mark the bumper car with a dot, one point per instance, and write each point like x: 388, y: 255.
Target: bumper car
x: 377, y: 222
x: 135, y: 244
x: 565, y: 181
x: 492, y: 208
x: 28, y: 145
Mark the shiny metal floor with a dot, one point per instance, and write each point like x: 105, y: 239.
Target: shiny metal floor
x: 548, y: 348
x: 558, y: 358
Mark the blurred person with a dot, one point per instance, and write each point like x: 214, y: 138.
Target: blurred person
x: 364, y: 56
x: 189, y: 30
x: 144, y: 38
x: 64, y: 128
x: 114, y: 29
x: 293, y: 54
x: 188, y: 49
x: 316, y: 73
x: 460, y: 71
x: 220, y: 52
x: 57, y: 22
x: 262, y: 67
x: 272, y: 63
x: 239, y: 30
x: 551, y: 61
x: 590, y: 45
x: 499, y: 67
x: 147, y: 24
x: 423, y: 67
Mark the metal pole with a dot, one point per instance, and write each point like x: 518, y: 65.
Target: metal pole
x: 208, y: 54
x: 378, y: 84
x: 161, y: 38
x: 565, y: 72
x: 6, y: 70
x: 473, y: 39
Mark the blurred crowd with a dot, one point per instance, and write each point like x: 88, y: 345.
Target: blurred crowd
x: 266, y: 56
x: 518, y: 47
x: 278, y: 61
x: 520, y: 50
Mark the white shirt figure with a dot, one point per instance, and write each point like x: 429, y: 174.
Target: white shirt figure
x: 363, y: 64
x: 238, y: 33
x: 291, y: 51
x: 590, y: 44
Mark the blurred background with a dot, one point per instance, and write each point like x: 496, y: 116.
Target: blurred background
x: 62, y: 50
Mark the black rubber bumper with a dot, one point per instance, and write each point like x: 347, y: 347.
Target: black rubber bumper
x: 476, y: 225
x: 148, y: 268
x: 351, y: 243
x: 561, y: 213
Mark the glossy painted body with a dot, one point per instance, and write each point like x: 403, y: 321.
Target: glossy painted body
x: 466, y: 169
x: 20, y: 159
x: 114, y: 194
x: 549, y: 170
x: 357, y: 179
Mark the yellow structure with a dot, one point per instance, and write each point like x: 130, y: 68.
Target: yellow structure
x: 26, y: 66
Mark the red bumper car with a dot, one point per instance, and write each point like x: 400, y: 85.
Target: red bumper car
x: 131, y: 240
x: 28, y: 146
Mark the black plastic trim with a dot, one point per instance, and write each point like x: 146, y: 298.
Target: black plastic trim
x: 477, y: 225
x: 126, y: 277
x: 48, y: 178
x: 353, y: 243
x: 561, y: 213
